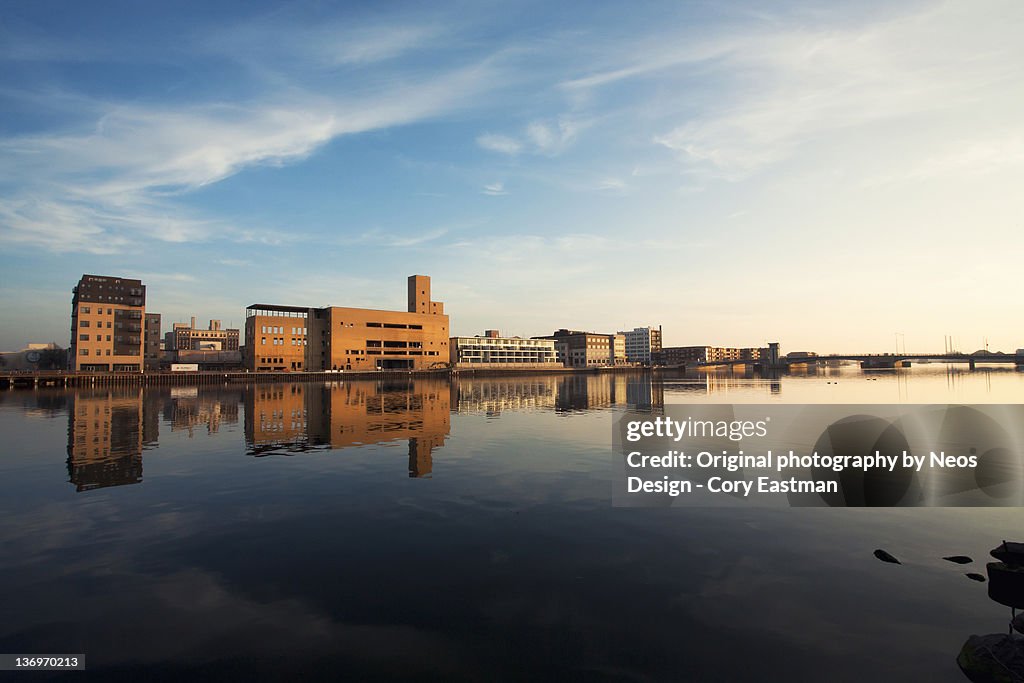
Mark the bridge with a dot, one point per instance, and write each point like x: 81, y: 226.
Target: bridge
x: 883, y: 360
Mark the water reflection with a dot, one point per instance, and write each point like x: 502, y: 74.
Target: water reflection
x: 292, y: 418
x: 106, y: 433
x: 186, y: 408
x: 229, y: 567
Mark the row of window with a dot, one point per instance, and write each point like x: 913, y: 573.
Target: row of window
x: 278, y: 329
x: 118, y: 339
x: 100, y: 352
x: 279, y: 341
x: 392, y: 326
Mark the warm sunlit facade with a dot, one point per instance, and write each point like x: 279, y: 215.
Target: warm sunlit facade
x: 292, y: 338
x: 108, y: 317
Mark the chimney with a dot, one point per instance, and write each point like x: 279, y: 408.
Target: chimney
x: 193, y: 326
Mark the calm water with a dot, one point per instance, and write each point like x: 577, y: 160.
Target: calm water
x: 430, y: 530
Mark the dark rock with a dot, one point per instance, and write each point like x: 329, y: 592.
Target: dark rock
x: 975, y: 577
x: 886, y: 557
x: 994, y: 658
x: 959, y: 559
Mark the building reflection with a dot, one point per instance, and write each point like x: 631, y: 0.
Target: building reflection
x: 494, y: 395
x: 297, y: 417
x: 106, y: 433
x: 637, y: 391
x: 186, y: 408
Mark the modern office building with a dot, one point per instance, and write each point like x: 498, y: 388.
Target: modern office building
x: 287, y: 338
x: 642, y: 343
x: 495, y: 351
x: 275, y: 338
x: 107, y: 318
x: 576, y: 349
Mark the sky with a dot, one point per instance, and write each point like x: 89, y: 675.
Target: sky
x: 838, y: 177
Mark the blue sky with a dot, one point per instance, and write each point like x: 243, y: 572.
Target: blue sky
x: 823, y: 174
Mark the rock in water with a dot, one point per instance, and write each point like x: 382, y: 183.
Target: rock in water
x: 886, y: 557
x: 994, y: 658
x: 959, y: 559
x: 975, y: 577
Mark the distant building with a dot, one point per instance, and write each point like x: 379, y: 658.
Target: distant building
x: 577, y: 349
x: 642, y: 344
x: 678, y: 355
x: 107, y: 316
x: 187, y: 337
x: 495, y: 351
x: 35, y: 357
x: 288, y: 338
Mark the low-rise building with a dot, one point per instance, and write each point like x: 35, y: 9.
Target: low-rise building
x: 495, y: 351
x: 578, y: 349
x: 681, y: 355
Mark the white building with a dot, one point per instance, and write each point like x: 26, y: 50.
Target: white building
x: 642, y: 343
x: 492, y: 351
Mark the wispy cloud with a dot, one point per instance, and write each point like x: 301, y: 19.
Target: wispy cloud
x: 379, y: 238
x: 117, y: 177
x: 494, y: 189
x: 787, y: 89
x: 543, y: 137
x: 500, y: 143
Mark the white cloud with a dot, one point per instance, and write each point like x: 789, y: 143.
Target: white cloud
x: 100, y: 187
x: 499, y: 143
x: 611, y: 185
x: 789, y: 88
x: 544, y: 137
x: 495, y: 189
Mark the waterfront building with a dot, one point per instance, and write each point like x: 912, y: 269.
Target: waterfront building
x: 107, y: 318
x: 577, y: 349
x: 642, y: 344
x: 275, y: 337
x: 495, y: 351
x: 288, y: 338
x: 680, y: 355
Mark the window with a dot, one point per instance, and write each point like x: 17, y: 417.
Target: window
x: 85, y: 309
x: 83, y: 337
x: 83, y: 352
x: 108, y: 337
x: 83, y: 323
x: 263, y: 341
